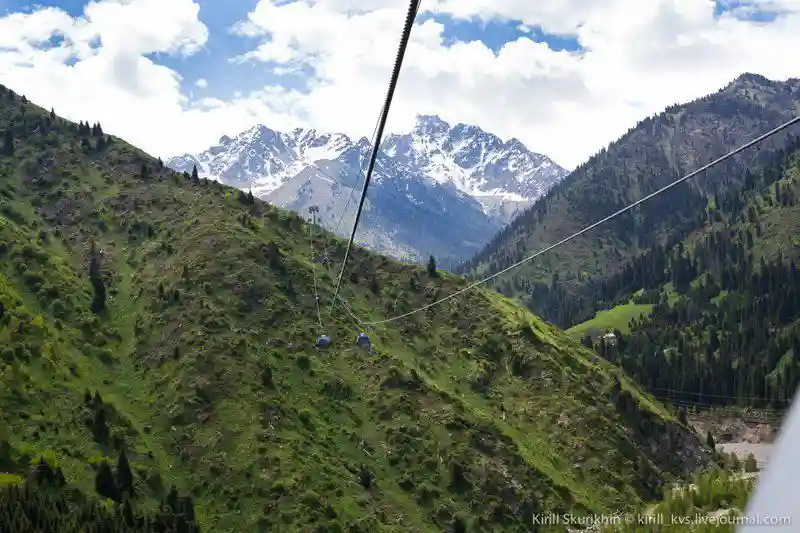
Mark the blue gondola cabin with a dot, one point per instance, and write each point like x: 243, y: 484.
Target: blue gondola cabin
x: 324, y: 341
x: 363, y: 342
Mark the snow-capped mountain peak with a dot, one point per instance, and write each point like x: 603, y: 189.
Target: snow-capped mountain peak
x: 458, y: 169
x: 476, y: 162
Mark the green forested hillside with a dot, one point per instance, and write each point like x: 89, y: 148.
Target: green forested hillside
x: 44, y: 504
x: 565, y: 285
x: 156, y: 342
x: 724, y: 325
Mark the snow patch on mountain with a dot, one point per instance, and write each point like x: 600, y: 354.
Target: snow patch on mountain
x: 436, y: 171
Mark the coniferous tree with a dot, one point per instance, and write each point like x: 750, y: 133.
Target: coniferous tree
x: 195, y: 175
x: 373, y: 286
x: 127, y: 512
x: 710, y: 441
x: 124, y: 474
x: 104, y: 483
x: 8, y: 143
x: 43, y: 474
x: 95, y: 277
x: 100, y: 430
x: 432, y: 267
x: 750, y: 463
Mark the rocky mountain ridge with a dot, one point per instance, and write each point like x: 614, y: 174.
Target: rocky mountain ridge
x: 426, y: 182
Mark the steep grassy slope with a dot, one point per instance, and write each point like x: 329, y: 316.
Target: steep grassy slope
x: 657, y: 151
x: 174, y: 319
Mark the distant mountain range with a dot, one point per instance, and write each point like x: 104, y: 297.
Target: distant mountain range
x: 439, y: 189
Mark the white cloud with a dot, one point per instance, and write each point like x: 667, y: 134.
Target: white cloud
x: 202, y: 83
x: 109, y: 79
x: 641, y: 55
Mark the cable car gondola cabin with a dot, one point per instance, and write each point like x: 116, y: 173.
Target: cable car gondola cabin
x: 324, y: 341
x: 363, y: 342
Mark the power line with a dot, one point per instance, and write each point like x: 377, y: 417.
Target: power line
x: 768, y: 414
x: 723, y: 396
x: 730, y: 154
x: 413, y: 7
x: 730, y: 407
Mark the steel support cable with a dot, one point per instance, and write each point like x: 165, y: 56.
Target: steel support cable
x: 360, y: 170
x: 352, y: 189
x: 412, y: 13
x: 324, y: 172
x: 350, y: 312
x: 314, y: 268
x: 705, y: 167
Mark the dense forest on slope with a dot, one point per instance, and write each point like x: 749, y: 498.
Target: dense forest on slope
x: 156, y: 320
x: 562, y: 284
x: 44, y: 503
x: 726, y: 319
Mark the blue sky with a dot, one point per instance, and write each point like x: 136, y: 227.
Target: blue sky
x: 226, y: 78
x: 641, y: 56
x: 495, y: 34
x: 211, y: 63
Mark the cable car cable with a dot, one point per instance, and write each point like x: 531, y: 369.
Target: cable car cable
x: 360, y: 170
x: 412, y: 13
x: 313, y: 212
x: 705, y: 167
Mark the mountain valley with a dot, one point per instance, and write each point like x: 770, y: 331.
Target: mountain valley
x: 699, y: 285
x: 157, y: 363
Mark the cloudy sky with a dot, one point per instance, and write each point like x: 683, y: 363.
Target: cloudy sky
x: 564, y: 76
